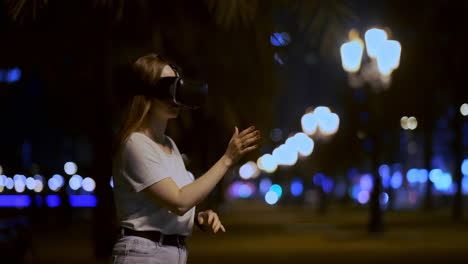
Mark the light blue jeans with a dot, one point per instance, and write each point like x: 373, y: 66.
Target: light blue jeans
x: 134, y: 249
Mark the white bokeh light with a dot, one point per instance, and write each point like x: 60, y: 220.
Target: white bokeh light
x: 412, y: 123
x: 463, y: 111
x: 75, y: 182
x: 285, y: 155
x: 267, y: 163
x: 20, y: 185
x: 388, y: 57
x: 309, y: 123
x: 329, y: 124
x: 39, y: 186
x: 54, y: 184
x: 351, y: 55
x: 249, y: 170
x: 374, y: 38
x: 70, y: 168
x: 30, y: 183
x: 88, y: 184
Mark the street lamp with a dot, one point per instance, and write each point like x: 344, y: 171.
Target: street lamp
x: 383, y: 57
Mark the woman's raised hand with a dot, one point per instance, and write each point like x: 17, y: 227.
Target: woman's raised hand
x: 242, y: 143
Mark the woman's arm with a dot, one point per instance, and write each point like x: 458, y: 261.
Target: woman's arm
x: 168, y: 195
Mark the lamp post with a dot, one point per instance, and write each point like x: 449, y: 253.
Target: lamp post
x: 383, y: 57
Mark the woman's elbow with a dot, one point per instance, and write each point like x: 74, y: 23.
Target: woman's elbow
x: 180, y: 211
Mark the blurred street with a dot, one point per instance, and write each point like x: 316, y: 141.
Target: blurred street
x: 258, y: 233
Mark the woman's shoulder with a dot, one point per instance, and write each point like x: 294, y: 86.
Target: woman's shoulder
x: 138, y: 140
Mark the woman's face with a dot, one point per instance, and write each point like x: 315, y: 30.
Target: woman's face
x: 165, y: 108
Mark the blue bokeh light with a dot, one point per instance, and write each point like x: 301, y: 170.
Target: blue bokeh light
x: 17, y: 201
x: 297, y: 187
x: 87, y: 200
x: 384, y: 198
x: 464, y: 167
x: 277, y: 189
x: 13, y: 75
x: 366, y: 182
x: 397, y: 180
x: 412, y: 175
x: 245, y: 191
x: 318, y: 178
x: 363, y: 197
x: 327, y: 185
x: 384, y: 171
x: 265, y: 185
x: 465, y: 184
x: 279, y: 39
x: 53, y: 200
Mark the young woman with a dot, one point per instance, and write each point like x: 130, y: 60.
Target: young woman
x: 154, y: 194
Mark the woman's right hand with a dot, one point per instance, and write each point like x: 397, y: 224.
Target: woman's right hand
x: 242, y: 143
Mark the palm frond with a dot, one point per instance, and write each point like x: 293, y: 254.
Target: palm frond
x: 18, y: 9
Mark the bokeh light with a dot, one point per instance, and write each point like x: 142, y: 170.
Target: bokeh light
x: 249, y: 170
x: 70, y: 168
x: 327, y: 184
x: 464, y: 167
x: 296, y: 187
x: 463, y: 110
x: 363, y: 197
x: 388, y: 56
x: 9, y: 183
x: 30, y: 183
x: 53, y: 184
x: 412, y: 123
x: 404, y: 122
x: 329, y: 124
x: 309, y: 123
x: 267, y: 163
x: 20, y: 185
x: 53, y: 200
x: 384, y: 198
x: 351, y: 55
x: 75, y: 182
x: 285, y: 155
x: 396, y: 180
x: 277, y: 189
x: 279, y: 39
x: 111, y: 182
x: 88, y: 184
x: 374, y: 39
x: 366, y: 182
x: 271, y: 197
x: 265, y: 185
x: 246, y: 190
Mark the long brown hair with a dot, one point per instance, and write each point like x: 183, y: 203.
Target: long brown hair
x: 146, y: 70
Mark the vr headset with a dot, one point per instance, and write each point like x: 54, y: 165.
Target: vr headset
x: 178, y: 90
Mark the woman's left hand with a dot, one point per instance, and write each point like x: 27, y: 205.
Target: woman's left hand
x: 211, y: 220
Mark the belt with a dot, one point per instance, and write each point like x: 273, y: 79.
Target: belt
x: 158, y: 237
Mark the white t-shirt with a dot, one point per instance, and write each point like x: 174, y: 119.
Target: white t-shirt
x: 141, y: 164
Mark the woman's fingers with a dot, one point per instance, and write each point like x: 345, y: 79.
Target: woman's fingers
x: 200, y: 220
x: 211, y: 217
x: 249, y: 149
x: 215, y: 223
x: 246, y: 131
x: 216, y: 227
x: 222, y: 227
x: 251, y: 140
